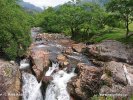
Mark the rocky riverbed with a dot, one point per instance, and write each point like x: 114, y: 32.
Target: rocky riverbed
x: 60, y: 68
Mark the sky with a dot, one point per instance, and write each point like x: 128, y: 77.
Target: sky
x: 46, y: 3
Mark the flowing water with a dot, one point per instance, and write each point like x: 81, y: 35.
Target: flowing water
x: 31, y: 88
x: 51, y: 69
x: 24, y: 64
x: 57, y: 89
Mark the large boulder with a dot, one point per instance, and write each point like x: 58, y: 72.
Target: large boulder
x: 86, y: 83
x: 115, y: 70
x: 40, y: 61
x: 111, y: 50
x: 115, y: 80
x: 10, y: 86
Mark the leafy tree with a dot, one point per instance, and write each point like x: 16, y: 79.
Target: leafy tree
x: 50, y: 21
x: 125, y: 9
x: 72, y: 17
x: 14, y: 29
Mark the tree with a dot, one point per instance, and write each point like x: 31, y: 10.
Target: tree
x: 125, y: 9
x: 50, y: 21
x: 14, y: 29
x: 72, y: 17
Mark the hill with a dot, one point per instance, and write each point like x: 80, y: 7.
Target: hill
x: 29, y: 7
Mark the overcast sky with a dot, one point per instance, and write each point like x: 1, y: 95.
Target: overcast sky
x: 42, y: 3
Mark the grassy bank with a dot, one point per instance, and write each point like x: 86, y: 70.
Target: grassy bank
x: 114, y: 34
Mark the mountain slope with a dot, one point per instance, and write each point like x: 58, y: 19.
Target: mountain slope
x: 29, y: 7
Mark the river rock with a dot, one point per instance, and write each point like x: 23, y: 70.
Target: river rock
x: 65, y: 42
x: 78, y: 47
x: 111, y: 50
x: 40, y: 60
x: 47, y: 79
x: 68, y: 50
x: 62, y: 60
x: 10, y: 86
x: 116, y: 71
x: 61, y: 57
x: 114, y: 79
x: 86, y: 83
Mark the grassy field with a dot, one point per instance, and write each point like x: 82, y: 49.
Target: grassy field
x: 115, y: 34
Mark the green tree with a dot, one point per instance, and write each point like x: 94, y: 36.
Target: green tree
x: 71, y: 18
x: 125, y: 9
x: 50, y: 22
x: 14, y: 29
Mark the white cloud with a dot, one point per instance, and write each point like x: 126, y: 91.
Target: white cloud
x: 42, y: 3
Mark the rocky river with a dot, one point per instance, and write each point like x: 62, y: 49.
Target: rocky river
x: 58, y: 68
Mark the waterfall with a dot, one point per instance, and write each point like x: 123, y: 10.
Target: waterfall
x: 51, y: 69
x: 31, y: 88
x: 57, y: 89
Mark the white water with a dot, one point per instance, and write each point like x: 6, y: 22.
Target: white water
x: 31, y: 88
x: 51, y: 69
x: 24, y: 64
x: 57, y: 89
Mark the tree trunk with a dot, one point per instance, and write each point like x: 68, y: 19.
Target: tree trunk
x: 72, y: 32
x: 127, y: 26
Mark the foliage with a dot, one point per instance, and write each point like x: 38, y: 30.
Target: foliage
x: 85, y: 21
x: 14, y: 29
x: 124, y: 8
x: 80, y: 20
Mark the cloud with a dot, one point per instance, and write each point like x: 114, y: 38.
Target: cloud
x: 42, y: 3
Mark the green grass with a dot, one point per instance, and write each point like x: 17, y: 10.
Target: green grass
x: 115, y: 34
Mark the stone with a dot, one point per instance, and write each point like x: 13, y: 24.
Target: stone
x: 86, y: 83
x: 114, y: 78
x: 40, y: 61
x: 47, y: 79
x: 10, y: 85
x: 69, y: 50
x: 61, y: 58
x: 116, y: 71
x: 78, y: 47
x: 111, y: 50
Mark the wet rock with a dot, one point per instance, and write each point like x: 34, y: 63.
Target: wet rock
x: 40, y: 60
x: 111, y: 50
x: 10, y: 86
x: 78, y: 47
x: 86, y: 83
x: 61, y: 58
x: 47, y: 79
